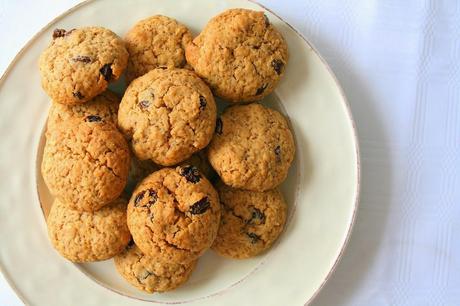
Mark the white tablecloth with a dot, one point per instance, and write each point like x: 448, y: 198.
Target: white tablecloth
x: 398, y: 62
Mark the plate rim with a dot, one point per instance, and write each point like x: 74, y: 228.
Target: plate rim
x: 345, y: 102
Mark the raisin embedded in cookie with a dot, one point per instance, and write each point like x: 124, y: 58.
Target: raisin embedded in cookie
x: 85, y: 163
x: 199, y: 162
x: 251, y: 221
x: 253, y: 147
x: 79, y: 64
x: 104, y: 105
x: 174, y: 215
x: 157, y: 41
x: 168, y: 114
x: 149, y: 274
x: 240, y: 55
x: 84, y: 236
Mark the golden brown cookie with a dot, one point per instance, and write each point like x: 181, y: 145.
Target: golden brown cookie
x: 240, y: 55
x: 251, y: 221
x: 168, y: 114
x: 253, y: 147
x: 148, y: 273
x: 88, y: 236
x: 104, y: 105
x: 157, y: 41
x: 85, y: 163
x: 79, y: 64
x: 174, y: 215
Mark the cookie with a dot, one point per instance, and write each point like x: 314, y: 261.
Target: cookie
x: 251, y: 221
x: 104, y: 105
x: 200, y: 161
x: 174, y: 215
x: 85, y: 163
x: 168, y: 114
x: 157, y: 41
x: 79, y: 64
x: 253, y: 147
x: 148, y: 273
x: 240, y: 55
x: 88, y: 236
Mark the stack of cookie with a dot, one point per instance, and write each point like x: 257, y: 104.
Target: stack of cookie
x: 163, y: 145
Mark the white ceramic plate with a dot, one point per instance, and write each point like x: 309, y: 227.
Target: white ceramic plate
x: 322, y: 188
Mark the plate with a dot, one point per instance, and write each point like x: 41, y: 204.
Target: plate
x: 322, y: 188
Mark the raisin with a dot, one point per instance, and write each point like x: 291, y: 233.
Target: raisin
x: 82, y: 58
x: 200, y: 207
x: 153, y: 197
x: 260, y: 90
x: 257, y: 217
x: 191, y: 174
x: 254, y: 237
x: 278, y: 153
x: 130, y: 244
x: 277, y: 65
x: 138, y: 198
x: 93, y: 118
x: 267, y: 21
x: 219, y: 126
x: 106, y: 72
x: 202, y: 103
x: 59, y: 33
x: 144, y: 104
x: 78, y: 95
x: 162, y: 67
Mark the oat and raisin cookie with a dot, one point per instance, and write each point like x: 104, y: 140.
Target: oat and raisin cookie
x: 157, y: 41
x: 253, y: 147
x: 240, y: 55
x: 251, y: 221
x: 174, y: 215
x: 104, y: 105
x: 149, y: 274
x: 88, y: 236
x: 85, y: 163
x: 168, y: 114
x: 79, y: 64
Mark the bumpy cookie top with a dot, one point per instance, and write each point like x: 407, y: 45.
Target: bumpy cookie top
x: 251, y: 221
x: 168, y: 114
x: 240, y: 55
x: 149, y: 274
x: 79, y: 64
x: 174, y: 215
x: 157, y: 41
x: 253, y: 147
x: 83, y: 236
x: 85, y: 163
x: 104, y: 105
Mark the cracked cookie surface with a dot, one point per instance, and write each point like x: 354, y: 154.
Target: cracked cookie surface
x: 168, y: 114
x: 240, y: 55
x: 174, y: 215
x: 251, y: 221
x: 253, y: 147
x: 85, y: 163
x: 149, y: 274
x: 157, y: 41
x: 104, y: 105
x: 79, y: 64
x: 83, y: 236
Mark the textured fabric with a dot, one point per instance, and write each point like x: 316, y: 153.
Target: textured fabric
x: 398, y: 62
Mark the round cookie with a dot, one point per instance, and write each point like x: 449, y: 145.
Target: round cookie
x: 240, y: 55
x: 157, y: 41
x: 85, y: 163
x: 83, y: 236
x: 174, y: 215
x: 79, y: 64
x: 168, y: 114
x: 253, y: 147
x: 104, y: 105
x: 148, y: 273
x: 251, y: 221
